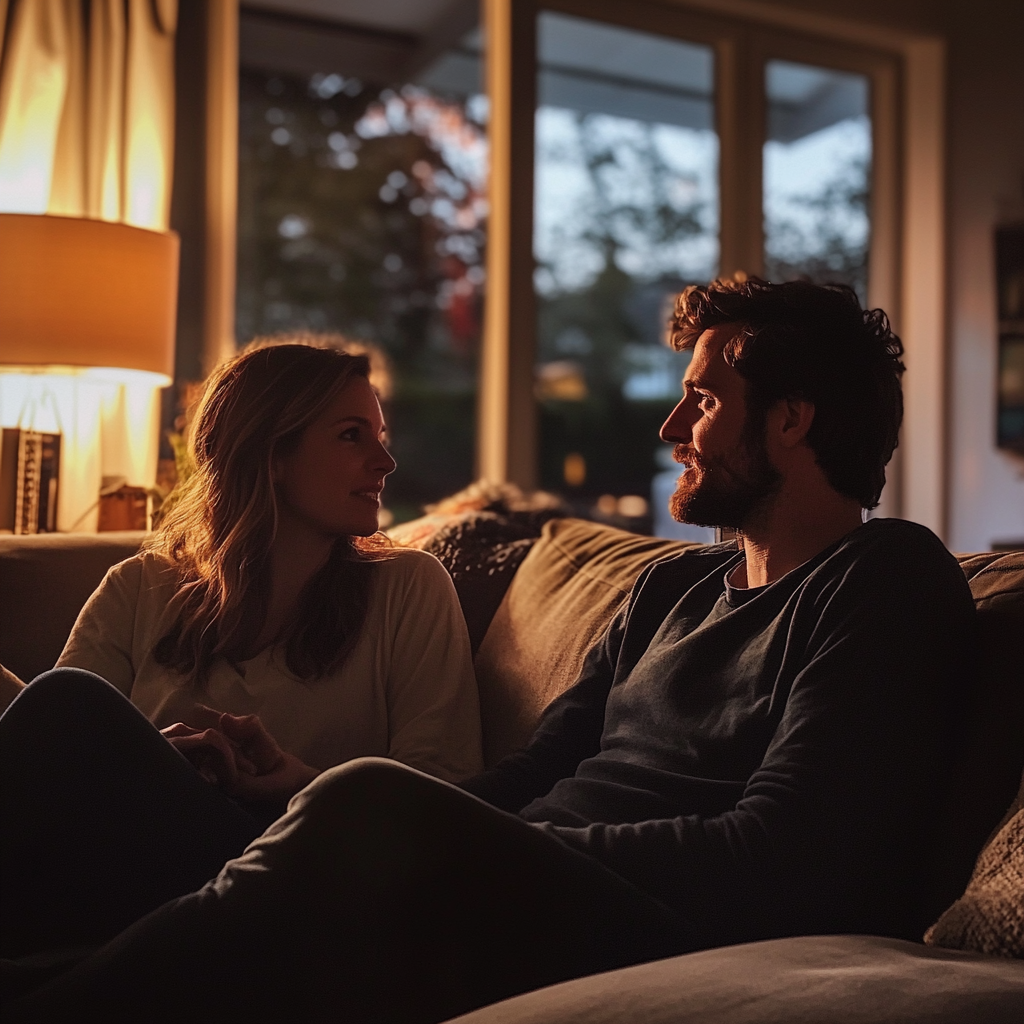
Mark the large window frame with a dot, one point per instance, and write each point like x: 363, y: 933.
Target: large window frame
x: 906, y: 256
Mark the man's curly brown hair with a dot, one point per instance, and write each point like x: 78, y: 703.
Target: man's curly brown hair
x: 815, y: 342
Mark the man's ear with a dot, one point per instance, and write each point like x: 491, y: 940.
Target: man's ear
x: 795, y: 416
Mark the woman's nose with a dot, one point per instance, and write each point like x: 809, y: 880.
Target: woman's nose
x: 385, y: 461
x: 676, y: 429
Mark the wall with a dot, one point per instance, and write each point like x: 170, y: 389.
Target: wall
x: 986, y: 187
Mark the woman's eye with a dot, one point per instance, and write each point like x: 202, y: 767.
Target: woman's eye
x: 352, y: 434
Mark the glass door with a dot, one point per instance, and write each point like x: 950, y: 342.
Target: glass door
x: 625, y: 215
x: 817, y: 175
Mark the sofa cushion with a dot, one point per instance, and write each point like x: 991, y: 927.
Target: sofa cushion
x: 46, y: 579
x: 482, y: 551
x: 480, y: 535
x: 559, y: 602
x: 990, y: 758
x: 824, y: 979
x: 989, y: 917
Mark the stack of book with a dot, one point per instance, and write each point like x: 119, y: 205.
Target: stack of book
x: 29, y: 473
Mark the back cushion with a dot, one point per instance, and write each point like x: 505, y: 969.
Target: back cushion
x: 45, y: 579
x: 559, y: 602
x: 991, y: 755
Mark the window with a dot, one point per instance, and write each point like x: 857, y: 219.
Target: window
x: 668, y: 147
x: 635, y: 148
x: 817, y: 175
x: 626, y: 215
x: 363, y: 212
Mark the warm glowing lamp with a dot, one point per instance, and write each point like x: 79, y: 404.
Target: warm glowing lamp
x: 87, y: 319
x: 87, y: 293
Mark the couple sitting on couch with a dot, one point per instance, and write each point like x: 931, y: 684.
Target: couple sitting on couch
x: 750, y: 751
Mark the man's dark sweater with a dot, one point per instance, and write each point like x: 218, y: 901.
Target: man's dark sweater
x: 763, y: 761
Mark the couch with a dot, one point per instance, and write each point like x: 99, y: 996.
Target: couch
x: 537, y: 589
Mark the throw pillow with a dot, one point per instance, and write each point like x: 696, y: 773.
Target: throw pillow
x: 559, y: 602
x: 988, y: 758
x: 480, y: 535
x: 989, y: 917
x: 482, y: 551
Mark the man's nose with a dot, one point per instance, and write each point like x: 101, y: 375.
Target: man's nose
x: 676, y: 429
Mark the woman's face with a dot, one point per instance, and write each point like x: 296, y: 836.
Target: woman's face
x: 331, y: 482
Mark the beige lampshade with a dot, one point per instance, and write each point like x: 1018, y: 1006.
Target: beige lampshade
x: 86, y: 293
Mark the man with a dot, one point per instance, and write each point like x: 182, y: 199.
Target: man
x: 752, y: 750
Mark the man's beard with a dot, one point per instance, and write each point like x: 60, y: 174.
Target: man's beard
x: 725, y: 491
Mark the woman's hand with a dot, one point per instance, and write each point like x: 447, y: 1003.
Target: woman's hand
x: 210, y: 752
x: 277, y: 775
x: 237, y: 753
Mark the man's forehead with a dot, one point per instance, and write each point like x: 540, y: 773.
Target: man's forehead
x: 708, y: 362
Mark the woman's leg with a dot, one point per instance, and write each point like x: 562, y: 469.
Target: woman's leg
x: 102, y: 818
x: 381, y: 896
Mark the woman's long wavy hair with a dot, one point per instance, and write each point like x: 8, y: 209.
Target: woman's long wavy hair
x: 221, y: 528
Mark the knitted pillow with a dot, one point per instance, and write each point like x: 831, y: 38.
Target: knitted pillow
x: 989, y: 917
x: 480, y: 535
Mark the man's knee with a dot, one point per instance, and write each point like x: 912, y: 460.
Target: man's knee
x: 363, y: 810
x: 359, y: 827
x: 374, y: 785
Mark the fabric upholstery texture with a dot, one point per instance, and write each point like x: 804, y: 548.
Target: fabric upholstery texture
x: 481, y: 536
x: 988, y: 764
x: 482, y: 551
x: 989, y: 917
x: 559, y: 602
x: 839, y: 979
x: 46, y: 579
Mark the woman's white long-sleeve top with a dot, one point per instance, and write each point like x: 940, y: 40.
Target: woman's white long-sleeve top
x: 406, y: 691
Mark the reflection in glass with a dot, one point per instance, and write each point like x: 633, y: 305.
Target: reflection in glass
x: 362, y: 210
x: 626, y: 214
x: 817, y: 175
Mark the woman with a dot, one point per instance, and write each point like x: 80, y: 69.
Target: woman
x: 263, y: 631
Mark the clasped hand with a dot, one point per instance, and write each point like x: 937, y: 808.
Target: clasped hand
x: 237, y: 753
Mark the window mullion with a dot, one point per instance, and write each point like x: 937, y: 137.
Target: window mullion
x: 507, y: 432
x: 740, y: 116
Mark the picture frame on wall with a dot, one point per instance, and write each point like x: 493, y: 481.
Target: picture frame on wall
x: 1010, y: 291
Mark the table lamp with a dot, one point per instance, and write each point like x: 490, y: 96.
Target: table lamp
x: 87, y: 320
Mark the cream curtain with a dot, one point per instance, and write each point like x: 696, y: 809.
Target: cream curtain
x: 87, y: 130
x: 87, y: 109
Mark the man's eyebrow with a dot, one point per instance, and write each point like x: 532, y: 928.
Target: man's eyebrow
x: 697, y: 384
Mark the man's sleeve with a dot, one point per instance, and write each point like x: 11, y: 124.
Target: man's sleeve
x: 568, y: 733
x: 828, y: 833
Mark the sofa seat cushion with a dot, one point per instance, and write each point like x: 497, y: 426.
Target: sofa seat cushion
x: 835, y: 979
